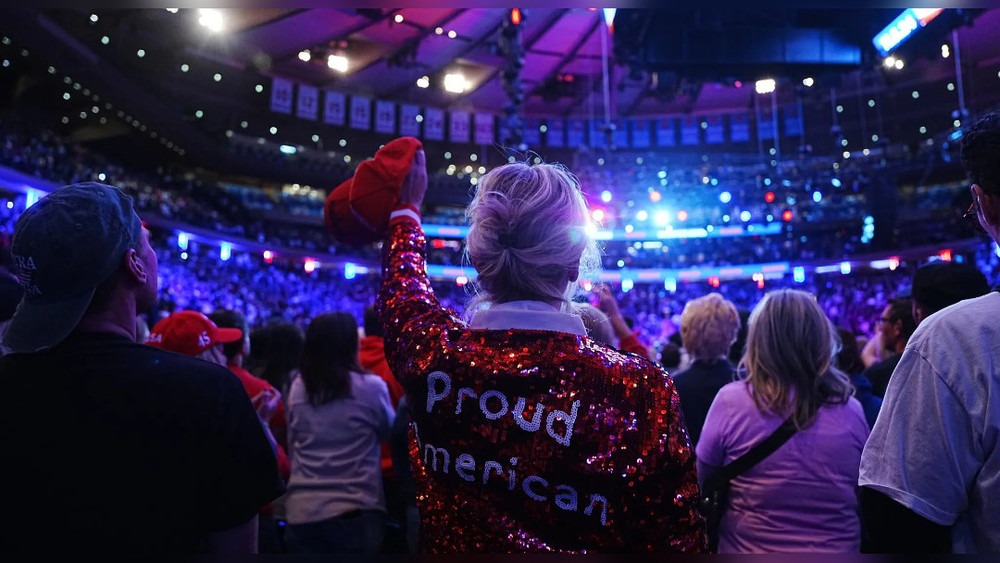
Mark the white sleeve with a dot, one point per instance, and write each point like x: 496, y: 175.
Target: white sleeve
x: 922, y: 452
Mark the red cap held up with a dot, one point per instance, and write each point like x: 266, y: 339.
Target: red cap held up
x: 357, y: 211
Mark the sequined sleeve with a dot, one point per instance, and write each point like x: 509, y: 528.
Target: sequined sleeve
x: 406, y: 303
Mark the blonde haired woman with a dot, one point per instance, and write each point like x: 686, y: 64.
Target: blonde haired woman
x: 709, y: 326
x: 802, y: 497
x: 530, y: 436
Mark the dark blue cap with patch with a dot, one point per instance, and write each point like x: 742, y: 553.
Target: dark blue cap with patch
x: 64, y: 246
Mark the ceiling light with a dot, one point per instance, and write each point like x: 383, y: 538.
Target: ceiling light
x: 172, y: 10
x: 93, y: 18
x: 423, y: 82
x: 105, y: 40
x: 889, y: 62
x: 212, y: 19
x: 807, y: 82
x: 452, y: 34
x: 454, y: 83
x: 337, y: 63
x: 899, y: 64
x: 217, y: 77
x: 398, y: 18
x: 765, y: 86
x: 185, y: 67
x: 439, y: 30
x: 305, y: 55
x: 140, y: 53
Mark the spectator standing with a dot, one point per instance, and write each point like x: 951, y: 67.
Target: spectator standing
x: 566, y: 476
x: 709, y: 326
x: 337, y: 416
x: 930, y: 473
x: 895, y: 326
x: 139, y: 450
x: 802, y: 497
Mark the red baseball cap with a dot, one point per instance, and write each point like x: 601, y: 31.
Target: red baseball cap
x: 357, y: 211
x: 190, y: 333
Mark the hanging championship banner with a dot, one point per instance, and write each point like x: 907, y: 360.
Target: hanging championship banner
x: 739, y: 127
x: 334, y: 109
x: 597, y: 136
x: 620, y: 136
x: 408, y: 124
x: 484, y: 129
x: 458, y: 132
x: 308, y: 103
x: 385, y: 117
x: 554, y: 131
x: 689, y: 130
x: 793, y: 121
x: 532, y: 131
x: 361, y: 112
x: 281, y: 95
x: 640, y: 133
x: 715, y: 132
x: 434, y: 124
x: 575, y: 132
x: 665, y: 132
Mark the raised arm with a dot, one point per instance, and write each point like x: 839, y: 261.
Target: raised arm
x: 406, y: 304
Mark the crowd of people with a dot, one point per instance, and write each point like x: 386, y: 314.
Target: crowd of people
x: 815, y: 229
x: 422, y: 427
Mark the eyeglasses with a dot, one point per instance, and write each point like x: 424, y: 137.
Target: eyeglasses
x: 885, y: 319
x: 972, y: 215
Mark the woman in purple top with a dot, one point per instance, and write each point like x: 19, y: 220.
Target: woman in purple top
x: 803, y: 497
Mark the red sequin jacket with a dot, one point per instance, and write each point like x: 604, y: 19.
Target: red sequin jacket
x: 533, y: 440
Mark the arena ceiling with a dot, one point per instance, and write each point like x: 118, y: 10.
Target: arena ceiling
x: 389, y: 50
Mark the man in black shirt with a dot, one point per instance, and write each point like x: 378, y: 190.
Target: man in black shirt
x: 111, y: 445
x: 897, y: 325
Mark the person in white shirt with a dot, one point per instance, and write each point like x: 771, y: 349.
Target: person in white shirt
x: 930, y: 472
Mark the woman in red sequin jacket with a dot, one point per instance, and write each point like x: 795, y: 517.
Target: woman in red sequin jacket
x: 527, y: 435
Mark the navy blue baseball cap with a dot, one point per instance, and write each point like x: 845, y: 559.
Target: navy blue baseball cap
x: 64, y: 246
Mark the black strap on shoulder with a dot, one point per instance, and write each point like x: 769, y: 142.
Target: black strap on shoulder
x: 756, y: 454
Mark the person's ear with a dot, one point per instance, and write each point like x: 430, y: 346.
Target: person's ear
x: 918, y: 313
x: 989, y: 205
x: 135, y: 266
